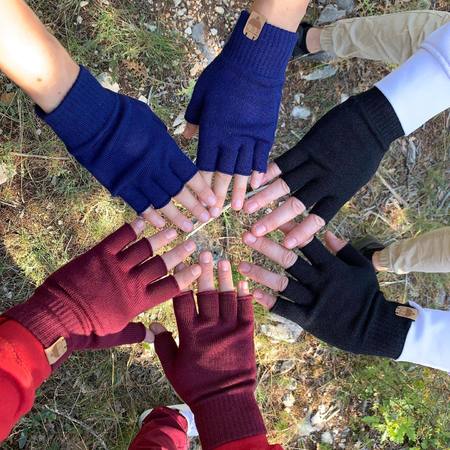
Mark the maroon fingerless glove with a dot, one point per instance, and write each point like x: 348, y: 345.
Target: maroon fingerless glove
x: 90, y: 301
x: 214, y: 369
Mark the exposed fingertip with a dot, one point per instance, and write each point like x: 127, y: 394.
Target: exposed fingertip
x: 215, y: 211
x: 156, y: 328
x: 138, y: 225
x: 205, y: 257
x: 171, y: 233
x: 224, y: 265
x: 196, y: 270
x: 149, y: 336
x: 244, y: 267
x: 249, y: 238
x: 187, y: 226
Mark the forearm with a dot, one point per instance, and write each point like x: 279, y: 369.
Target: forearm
x: 32, y: 58
x: 427, y: 342
x: 285, y: 14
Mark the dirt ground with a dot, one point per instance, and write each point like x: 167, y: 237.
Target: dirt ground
x: 52, y: 210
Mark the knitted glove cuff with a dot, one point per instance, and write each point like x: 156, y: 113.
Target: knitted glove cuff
x: 83, y: 112
x: 380, y: 115
x: 227, y: 418
x: 267, y: 56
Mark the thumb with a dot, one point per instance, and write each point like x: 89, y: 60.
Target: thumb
x: 333, y: 243
x: 165, y: 346
x: 190, y: 130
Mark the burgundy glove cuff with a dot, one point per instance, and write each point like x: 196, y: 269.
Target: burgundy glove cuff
x: 228, y: 418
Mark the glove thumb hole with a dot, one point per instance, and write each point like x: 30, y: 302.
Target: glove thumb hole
x: 333, y: 243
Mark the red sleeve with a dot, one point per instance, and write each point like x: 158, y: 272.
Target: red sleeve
x: 23, y: 368
x: 251, y: 443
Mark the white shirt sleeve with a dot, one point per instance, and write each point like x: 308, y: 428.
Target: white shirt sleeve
x: 428, y: 340
x: 420, y: 88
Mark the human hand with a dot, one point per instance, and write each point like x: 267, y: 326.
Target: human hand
x: 326, y: 168
x: 128, y: 149
x: 214, y: 369
x: 335, y: 298
x: 98, y: 293
x: 235, y: 105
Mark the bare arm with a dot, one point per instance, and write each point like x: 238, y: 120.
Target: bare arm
x: 32, y: 58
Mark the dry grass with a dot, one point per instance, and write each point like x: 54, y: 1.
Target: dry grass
x: 53, y: 210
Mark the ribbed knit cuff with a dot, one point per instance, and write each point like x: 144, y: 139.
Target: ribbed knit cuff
x: 268, y: 56
x: 228, y: 418
x: 326, y: 39
x: 380, y: 115
x: 46, y: 316
x: 83, y: 112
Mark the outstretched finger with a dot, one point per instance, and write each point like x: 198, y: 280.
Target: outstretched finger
x: 151, y: 216
x: 187, y: 276
x: 273, y: 171
x: 221, y: 183
x: 177, y: 217
x: 274, y: 191
x: 263, y: 276
x: 239, y: 191
x: 200, y: 185
x: 303, y: 232
x: 243, y: 289
x: 264, y: 299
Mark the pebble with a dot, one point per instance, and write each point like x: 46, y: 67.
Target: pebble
x: 321, y: 73
x: 84, y: 3
x: 213, y: 31
x: 284, y: 330
x: 188, y: 31
x: 107, y: 82
x: 330, y: 14
x: 288, y: 400
x: 301, y: 112
x: 326, y: 438
x: 286, y: 366
x: 198, y: 33
x: 143, y: 99
x: 176, y: 3
x: 347, y: 5
x: 344, y: 98
x: 219, y: 10
x: 6, y: 173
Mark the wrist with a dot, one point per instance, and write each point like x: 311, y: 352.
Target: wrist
x: 266, y: 56
x: 227, y: 418
x: 285, y: 14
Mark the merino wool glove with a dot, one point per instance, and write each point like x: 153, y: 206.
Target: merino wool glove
x: 214, y: 369
x: 121, y: 142
x: 338, y: 300
x: 237, y: 98
x: 97, y: 294
x: 340, y: 153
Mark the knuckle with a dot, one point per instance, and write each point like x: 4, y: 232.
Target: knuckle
x: 296, y: 205
x: 288, y: 259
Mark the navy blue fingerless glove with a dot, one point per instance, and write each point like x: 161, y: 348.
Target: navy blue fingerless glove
x: 121, y: 142
x: 237, y: 98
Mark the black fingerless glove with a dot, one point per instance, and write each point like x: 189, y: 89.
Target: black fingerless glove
x: 341, y: 152
x: 338, y: 300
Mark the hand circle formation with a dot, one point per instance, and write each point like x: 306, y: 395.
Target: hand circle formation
x: 329, y: 290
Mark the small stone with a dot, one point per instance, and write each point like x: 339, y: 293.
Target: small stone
x: 347, y: 5
x: 326, y: 438
x: 298, y: 98
x: 305, y: 427
x: 330, y: 14
x: 107, y: 82
x: 219, y: 10
x: 198, y: 33
x: 79, y: 20
x: 38, y: 132
x: 344, y: 97
x: 321, y: 73
x: 6, y: 173
x: 213, y: 31
x: 176, y: 3
x: 181, y: 12
x: 143, y: 99
x: 292, y: 384
x: 84, y: 3
x: 286, y: 366
x: 188, y: 31
x: 301, y: 112
x: 288, y: 400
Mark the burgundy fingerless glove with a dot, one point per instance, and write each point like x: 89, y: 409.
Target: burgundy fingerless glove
x: 214, y: 369
x: 90, y: 301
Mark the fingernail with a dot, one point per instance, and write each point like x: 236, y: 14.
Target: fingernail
x: 215, y: 212
x: 204, y: 217
x: 260, y: 230
x: 211, y: 200
x: 186, y: 226
x: 237, y: 204
x: 244, y: 267
x: 196, y: 270
x: 189, y: 246
x: 251, y: 207
x: 244, y: 285
x: 291, y: 242
x: 171, y: 233
x: 205, y: 258
x: 249, y: 238
x: 224, y: 266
